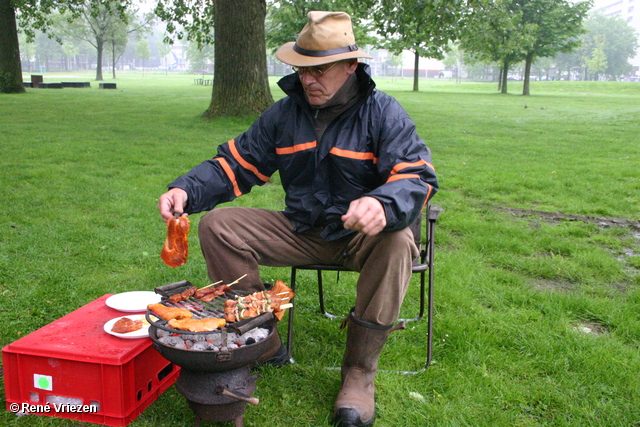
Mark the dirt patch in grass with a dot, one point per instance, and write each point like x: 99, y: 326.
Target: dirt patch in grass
x: 631, y: 256
x: 592, y: 328
x: 600, y: 221
x: 553, y: 285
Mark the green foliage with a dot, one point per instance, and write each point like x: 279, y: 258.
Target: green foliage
x: 199, y: 57
x: 555, y: 24
x: 38, y: 14
x: 513, y: 30
x: 424, y: 27
x: 607, y: 46
x: 596, y: 63
x: 490, y: 31
x: 191, y: 20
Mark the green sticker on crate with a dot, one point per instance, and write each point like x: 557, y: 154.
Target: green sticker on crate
x: 44, y: 382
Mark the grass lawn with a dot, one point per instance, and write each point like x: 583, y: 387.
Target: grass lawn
x: 537, y: 250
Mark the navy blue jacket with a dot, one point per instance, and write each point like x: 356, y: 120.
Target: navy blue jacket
x: 372, y: 149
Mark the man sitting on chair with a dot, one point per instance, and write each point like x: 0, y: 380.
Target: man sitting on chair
x: 355, y: 174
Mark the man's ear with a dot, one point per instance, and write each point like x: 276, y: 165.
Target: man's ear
x: 353, y: 65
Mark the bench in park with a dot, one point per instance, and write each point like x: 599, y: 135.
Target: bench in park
x: 203, y: 82
x: 76, y: 84
x: 43, y: 85
x: 107, y: 86
x: 37, y: 82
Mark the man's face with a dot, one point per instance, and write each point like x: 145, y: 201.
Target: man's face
x: 320, y: 88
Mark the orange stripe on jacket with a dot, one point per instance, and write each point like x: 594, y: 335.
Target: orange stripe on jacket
x: 244, y: 163
x: 296, y: 148
x: 353, y: 154
x: 402, y: 176
x: 426, y: 199
x: 232, y: 176
x: 397, y: 168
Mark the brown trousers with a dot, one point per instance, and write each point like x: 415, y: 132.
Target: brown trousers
x: 235, y: 241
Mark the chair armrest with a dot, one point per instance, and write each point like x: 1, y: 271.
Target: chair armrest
x: 434, y: 212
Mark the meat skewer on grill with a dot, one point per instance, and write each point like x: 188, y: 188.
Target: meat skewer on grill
x: 259, y: 302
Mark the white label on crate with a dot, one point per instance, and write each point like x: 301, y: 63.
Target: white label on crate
x: 43, y: 382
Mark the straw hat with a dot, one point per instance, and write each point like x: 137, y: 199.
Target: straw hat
x: 327, y: 37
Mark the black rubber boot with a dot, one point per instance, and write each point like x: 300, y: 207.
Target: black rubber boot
x: 276, y: 355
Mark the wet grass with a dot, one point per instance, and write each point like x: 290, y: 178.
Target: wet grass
x: 537, y: 299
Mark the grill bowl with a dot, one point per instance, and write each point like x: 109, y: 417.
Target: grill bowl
x: 214, y: 361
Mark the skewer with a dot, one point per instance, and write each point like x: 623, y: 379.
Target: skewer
x: 237, y: 280
x: 208, y: 286
x: 286, y: 306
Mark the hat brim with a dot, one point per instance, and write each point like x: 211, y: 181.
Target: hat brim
x: 289, y: 56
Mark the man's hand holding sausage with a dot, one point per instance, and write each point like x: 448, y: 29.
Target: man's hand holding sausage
x: 172, y: 202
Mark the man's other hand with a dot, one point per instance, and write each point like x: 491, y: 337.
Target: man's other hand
x: 365, y: 215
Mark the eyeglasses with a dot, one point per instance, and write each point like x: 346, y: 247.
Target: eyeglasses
x: 313, y: 71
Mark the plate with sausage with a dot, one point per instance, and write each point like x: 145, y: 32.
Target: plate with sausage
x: 128, y: 327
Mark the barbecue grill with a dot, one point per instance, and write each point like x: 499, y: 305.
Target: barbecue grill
x: 215, y: 377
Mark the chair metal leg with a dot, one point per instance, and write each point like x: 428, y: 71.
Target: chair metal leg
x: 430, y: 318
x: 321, y: 297
x: 291, y: 311
x: 430, y: 256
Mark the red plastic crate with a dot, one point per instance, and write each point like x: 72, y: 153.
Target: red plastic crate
x: 73, y: 358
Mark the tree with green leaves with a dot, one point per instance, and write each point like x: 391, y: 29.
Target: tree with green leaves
x: 164, y: 49
x: 241, y: 85
x: 555, y: 26
x: 490, y: 32
x: 30, y: 16
x: 117, y: 38
x: 424, y: 27
x: 515, y: 30
x: 105, y: 26
x: 199, y: 57
x: 596, y: 62
x: 607, y: 46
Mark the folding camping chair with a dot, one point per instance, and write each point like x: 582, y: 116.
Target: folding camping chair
x: 423, y: 266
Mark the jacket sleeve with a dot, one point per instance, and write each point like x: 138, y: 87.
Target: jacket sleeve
x: 404, y: 163
x: 240, y: 164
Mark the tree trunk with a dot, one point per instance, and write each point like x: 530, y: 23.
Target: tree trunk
x: 527, y: 73
x: 10, y: 66
x: 99, y: 49
x: 416, y: 71
x: 113, y: 60
x: 241, y: 83
x: 505, y: 75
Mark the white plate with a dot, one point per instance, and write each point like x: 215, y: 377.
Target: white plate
x: 140, y: 333
x: 133, y: 302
